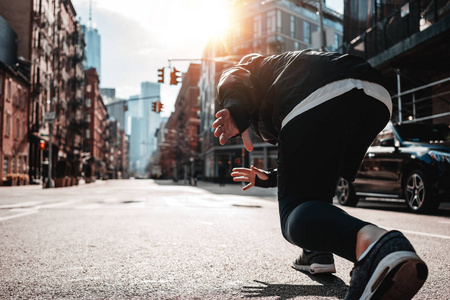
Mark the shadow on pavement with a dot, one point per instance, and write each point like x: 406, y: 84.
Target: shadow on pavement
x: 332, y: 286
x: 232, y: 188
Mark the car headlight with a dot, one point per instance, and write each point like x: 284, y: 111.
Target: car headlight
x: 440, y: 156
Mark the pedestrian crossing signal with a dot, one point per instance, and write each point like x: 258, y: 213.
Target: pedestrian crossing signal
x: 42, y: 145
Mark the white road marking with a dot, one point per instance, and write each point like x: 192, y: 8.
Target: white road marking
x: 18, y: 215
x: 444, y: 222
x: 425, y: 234
x: 19, y: 205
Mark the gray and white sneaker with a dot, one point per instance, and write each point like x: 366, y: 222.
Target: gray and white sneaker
x: 391, y: 270
x: 315, y: 262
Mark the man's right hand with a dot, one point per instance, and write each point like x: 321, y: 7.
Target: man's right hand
x: 226, y: 128
x: 248, y: 175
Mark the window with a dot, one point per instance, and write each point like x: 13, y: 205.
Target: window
x: 88, y: 134
x: 24, y: 99
x: 17, y: 129
x: 19, y: 165
x: 88, y: 102
x: 336, y: 42
x: 5, y: 165
x: 257, y: 26
x: 279, y: 21
x: 87, y: 118
x: 8, y: 89
x: 292, y: 26
x: 25, y: 164
x: 307, y: 32
x: 88, y: 88
x: 24, y: 127
x: 296, y: 45
x: 8, y: 123
x: 14, y: 165
x: 18, y: 97
x: 271, y: 22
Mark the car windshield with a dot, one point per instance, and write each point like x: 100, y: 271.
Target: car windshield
x: 436, y: 133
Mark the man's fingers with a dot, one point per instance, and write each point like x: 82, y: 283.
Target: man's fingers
x: 247, y: 186
x: 218, y: 131
x: 240, y: 173
x: 222, y: 113
x: 242, y: 178
x: 223, y: 139
x: 218, y: 122
x: 241, y: 170
x: 247, y: 141
x: 260, y: 173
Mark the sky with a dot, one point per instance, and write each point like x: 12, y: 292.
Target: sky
x: 138, y: 37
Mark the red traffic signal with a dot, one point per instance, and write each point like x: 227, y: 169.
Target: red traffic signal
x: 161, y: 75
x: 154, y: 106
x: 174, y: 75
x: 159, y: 106
x: 42, y: 145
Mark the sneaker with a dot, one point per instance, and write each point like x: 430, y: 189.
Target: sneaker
x: 390, y: 270
x: 315, y: 262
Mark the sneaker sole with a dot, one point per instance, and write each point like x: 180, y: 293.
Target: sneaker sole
x: 398, y: 276
x: 315, y: 268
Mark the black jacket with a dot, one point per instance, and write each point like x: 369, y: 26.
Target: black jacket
x: 261, y: 92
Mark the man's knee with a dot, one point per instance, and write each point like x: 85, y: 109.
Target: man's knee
x: 297, y: 227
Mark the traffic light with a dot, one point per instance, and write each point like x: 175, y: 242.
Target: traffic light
x: 174, y: 75
x: 42, y: 145
x: 161, y: 75
x: 159, y: 106
x: 154, y: 106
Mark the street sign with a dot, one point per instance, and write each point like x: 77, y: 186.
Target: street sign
x: 49, y: 117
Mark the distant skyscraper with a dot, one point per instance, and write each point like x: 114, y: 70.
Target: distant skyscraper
x: 93, y: 49
x: 141, y: 124
x: 116, y: 107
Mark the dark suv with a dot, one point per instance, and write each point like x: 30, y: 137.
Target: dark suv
x: 410, y: 161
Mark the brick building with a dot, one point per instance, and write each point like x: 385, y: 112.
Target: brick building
x: 50, y: 45
x: 14, y: 93
x: 96, y: 135
x: 180, y: 158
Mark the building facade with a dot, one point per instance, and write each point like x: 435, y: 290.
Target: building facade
x: 14, y: 98
x: 50, y: 47
x: 408, y: 42
x: 96, y: 135
x: 180, y: 156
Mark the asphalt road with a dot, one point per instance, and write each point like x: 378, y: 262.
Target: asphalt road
x: 141, y: 239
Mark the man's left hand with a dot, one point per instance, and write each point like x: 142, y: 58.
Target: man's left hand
x: 226, y: 128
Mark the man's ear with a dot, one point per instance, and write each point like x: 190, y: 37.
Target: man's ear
x: 247, y: 141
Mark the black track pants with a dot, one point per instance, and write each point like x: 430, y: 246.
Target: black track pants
x: 317, y: 148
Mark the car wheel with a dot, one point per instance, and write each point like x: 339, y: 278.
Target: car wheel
x: 417, y: 192
x: 345, y: 193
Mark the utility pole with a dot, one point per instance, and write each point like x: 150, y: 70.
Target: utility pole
x: 322, y: 29
x: 50, y: 118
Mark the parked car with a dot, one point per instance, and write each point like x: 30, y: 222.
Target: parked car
x: 409, y: 161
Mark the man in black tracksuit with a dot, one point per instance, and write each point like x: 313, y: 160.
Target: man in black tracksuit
x: 323, y: 110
